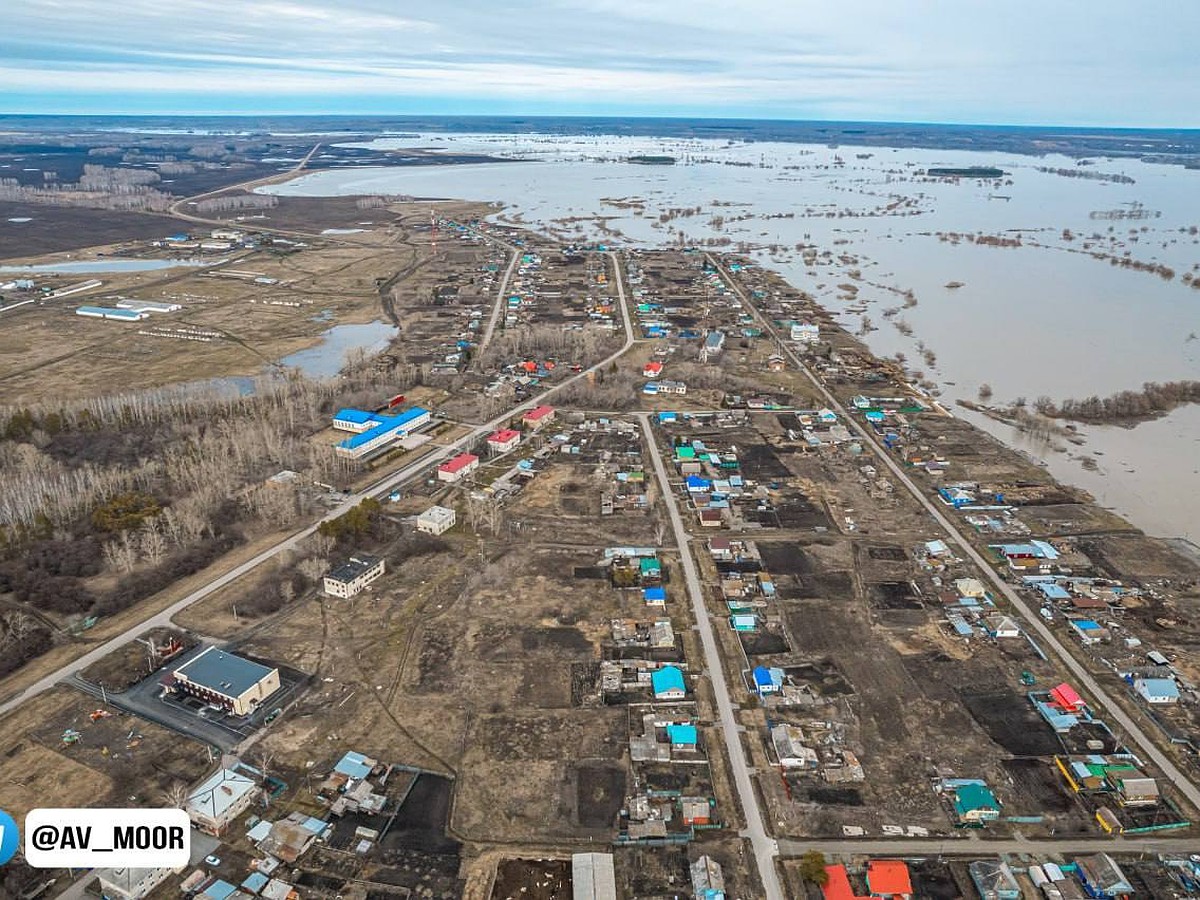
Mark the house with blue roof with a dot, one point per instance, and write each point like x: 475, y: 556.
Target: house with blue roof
x: 255, y: 882
x: 654, y: 596
x: 767, y: 680
x: 668, y: 683
x: 683, y: 737
x: 1157, y: 690
x: 355, y: 765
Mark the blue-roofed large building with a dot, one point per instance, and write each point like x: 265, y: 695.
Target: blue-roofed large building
x: 378, y: 431
x: 223, y: 679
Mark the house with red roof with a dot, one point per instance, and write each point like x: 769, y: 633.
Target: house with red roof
x: 888, y: 879
x: 652, y: 370
x: 837, y: 886
x: 538, y: 416
x: 503, y: 440
x: 458, y: 468
x: 1066, y: 698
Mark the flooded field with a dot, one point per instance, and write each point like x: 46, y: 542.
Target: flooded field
x: 1058, y: 279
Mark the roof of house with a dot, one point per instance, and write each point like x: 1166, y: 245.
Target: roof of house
x: 218, y: 890
x: 682, y: 734
x: 1158, y: 687
x: 764, y: 676
x: 668, y: 678
x: 503, y: 436
x: 219, y: 792
x: 223, y: 672
x: 459, y: 462
x: 1066, y: 696
x: 971, y: 797
x: 888, y: 876
x: 649, y: 564
x: 355, y: 765
x: 837, y: 887
x: 654, y: 593
x: 538, y: 412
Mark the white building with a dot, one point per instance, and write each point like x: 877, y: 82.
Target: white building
x: 132, y: 884
x: 436, y: 520
x: 804, y: 333
x: 220, y: 799
x: 225, y: 680
x: 353, y: 575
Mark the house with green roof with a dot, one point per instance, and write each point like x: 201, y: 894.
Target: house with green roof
x: 974, y: 804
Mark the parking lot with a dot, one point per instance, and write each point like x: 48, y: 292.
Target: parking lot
x: 192, y: 717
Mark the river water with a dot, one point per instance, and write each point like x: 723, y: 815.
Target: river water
x: 1044, y: 318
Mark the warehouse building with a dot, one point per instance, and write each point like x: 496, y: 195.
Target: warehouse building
x: 105, y: 312
x: 222, y: 679
x: 374, y: 432
x: 220, y: 799
x: 353, y: 575
x: 436, y: 520
x: 458, y: 468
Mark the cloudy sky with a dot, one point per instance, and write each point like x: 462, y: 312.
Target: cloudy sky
x: 1099, y: 62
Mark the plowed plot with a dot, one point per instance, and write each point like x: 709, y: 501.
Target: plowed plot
x: 1011, y: 721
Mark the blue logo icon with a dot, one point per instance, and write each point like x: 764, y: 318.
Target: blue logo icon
x: 9, y: 837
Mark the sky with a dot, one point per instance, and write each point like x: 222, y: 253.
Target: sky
x: 1104, y: 62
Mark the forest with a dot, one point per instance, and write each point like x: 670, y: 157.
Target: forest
x: 106, y: 501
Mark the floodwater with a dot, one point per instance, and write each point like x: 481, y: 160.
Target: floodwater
x: 1044, y: 318
x: 96, y: 266
x: 327, y: 358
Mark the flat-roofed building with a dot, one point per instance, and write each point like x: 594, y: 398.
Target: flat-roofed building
x: 436, y: 520
x: 353, y: 575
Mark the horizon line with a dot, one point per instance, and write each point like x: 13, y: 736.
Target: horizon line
x: 590, y: 116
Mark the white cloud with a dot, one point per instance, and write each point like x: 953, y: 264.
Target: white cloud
x: 968, y: 60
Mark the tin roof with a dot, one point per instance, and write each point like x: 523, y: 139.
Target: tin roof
x: 223, y: 672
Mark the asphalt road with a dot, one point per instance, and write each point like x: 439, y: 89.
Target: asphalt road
x: 381, y: 488
x: 1099, y: 698
x: 764, y: 846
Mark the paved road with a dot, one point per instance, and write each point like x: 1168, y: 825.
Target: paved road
x: 986, y: 847
x: 1099, y: 697
x: 765, y: 849
x: 381, y: 488
x: 176, y: 207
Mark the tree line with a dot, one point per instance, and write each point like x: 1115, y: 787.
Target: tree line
x: 1152, y: 401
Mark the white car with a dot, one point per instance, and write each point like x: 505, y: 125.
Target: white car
x: 213, y: 861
